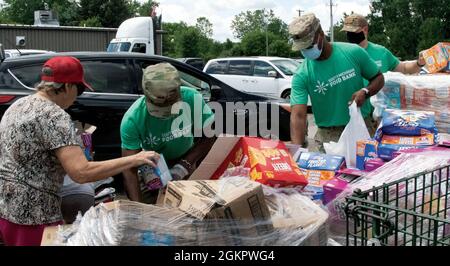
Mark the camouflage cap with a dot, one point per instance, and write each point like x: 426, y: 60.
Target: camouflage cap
x: 354, y: 23
x: 161, y: 83
x: 303, y: 30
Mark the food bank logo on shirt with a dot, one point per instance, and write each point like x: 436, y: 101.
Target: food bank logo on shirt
x: 168, y: 136
x: 152, y: 140
x: 321, y: 87
x: 324, y: 87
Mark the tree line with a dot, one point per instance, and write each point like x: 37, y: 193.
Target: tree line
x: 403, y: 26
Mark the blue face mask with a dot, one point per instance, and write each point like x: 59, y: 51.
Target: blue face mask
x: 313, y: 53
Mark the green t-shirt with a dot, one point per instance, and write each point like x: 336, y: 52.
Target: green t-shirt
x: 385, y: 60
x: 173, y: 136
x: 331, y: 83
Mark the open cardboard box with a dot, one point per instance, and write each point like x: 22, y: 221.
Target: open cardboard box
x: 219, y: 152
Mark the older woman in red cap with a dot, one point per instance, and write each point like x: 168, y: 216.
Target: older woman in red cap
x: 38, y: 146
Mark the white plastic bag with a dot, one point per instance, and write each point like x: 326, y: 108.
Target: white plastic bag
x: 355, y: 130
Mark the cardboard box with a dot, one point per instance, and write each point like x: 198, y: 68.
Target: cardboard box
x: 319, y: 161
x: 241, y: 202
x: 436, y: 58
x: 50, y: 235
x: 295, y: 215
x: 373, y: 164
x: 269, y: 161
x: 447, y: 49
x: 388, y: 152
x: 365, y: 150
x: 427, y: 139
x: 317, y: 177
x: 315, y: 193
x: 231, y: 199
x: 336, y: 186
x: 295, y: 150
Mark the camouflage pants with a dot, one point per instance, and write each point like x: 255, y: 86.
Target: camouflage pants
x: 325, y: 135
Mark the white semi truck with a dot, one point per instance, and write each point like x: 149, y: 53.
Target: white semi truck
x: 137, y: 35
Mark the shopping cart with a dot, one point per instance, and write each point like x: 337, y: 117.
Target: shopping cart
x: 414, y: 211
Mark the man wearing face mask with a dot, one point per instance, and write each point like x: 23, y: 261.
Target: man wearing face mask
x: 151, y: 124
x: 357, y: 30
x: 333, y: 77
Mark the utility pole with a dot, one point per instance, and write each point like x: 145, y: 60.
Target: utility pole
x: 266, y: 20
x: 331, y: 21
x: 300, y: 12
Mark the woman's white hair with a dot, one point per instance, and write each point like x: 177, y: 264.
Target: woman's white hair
x: 49, y: 85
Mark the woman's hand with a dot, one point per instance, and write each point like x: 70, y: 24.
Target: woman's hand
x: 146, y: 157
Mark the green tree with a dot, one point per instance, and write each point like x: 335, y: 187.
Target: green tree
x: 188, y: 44
x: 172, y: 37
x: 111, y: 13
x: 91, y: 22
x: 22, y: 11
x: 280, y: 48
x: 254, y: 43
x: 68, y: 12
x: 339, y: 36
x: 250, y: 21
x: 204, y: 26
x: 133, y: 7
x: 407, y: 26
x: 4, y: 18
x: 145, y: 8
x: 228, y: 45
x: 253, y: 27
x: 237, y: 50
x: 430, y: 32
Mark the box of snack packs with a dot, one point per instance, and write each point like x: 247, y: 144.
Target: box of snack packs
x: 436, y: 58
x: 319, y: 168
x: 269, y: 161
x: 365, y: 150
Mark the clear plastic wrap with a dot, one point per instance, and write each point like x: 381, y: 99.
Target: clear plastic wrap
x: 422, y: 93
x: 403, y: 166
x: 295, y: 220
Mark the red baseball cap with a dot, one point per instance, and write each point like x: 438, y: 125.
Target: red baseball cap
x: 64, y: 69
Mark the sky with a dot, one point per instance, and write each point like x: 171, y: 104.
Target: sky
x: 221, y: 12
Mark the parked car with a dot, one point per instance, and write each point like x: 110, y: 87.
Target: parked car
x: 300, y: 60
x: 116, y: 78
x: 23, y: 52
x: 193, y: 61
x: 266, y: 75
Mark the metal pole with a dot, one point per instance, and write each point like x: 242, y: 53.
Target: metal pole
x: 267, y: 37
x: 267, y: 42
x: 300, y: 12
x: 331, y: 21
